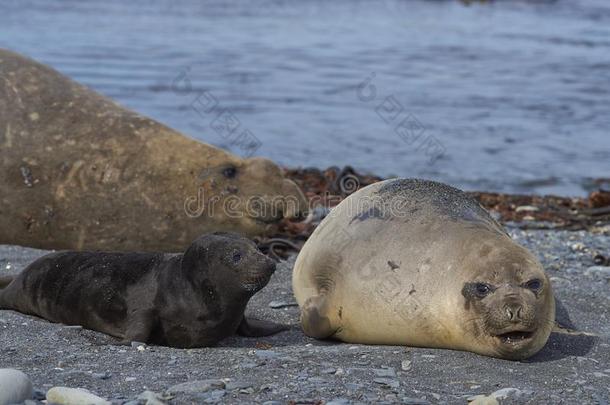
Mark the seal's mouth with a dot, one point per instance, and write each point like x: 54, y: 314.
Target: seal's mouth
x: 515, y: 338
x: 256, y: 283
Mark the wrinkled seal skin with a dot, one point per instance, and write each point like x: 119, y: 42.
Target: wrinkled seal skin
x: 76, y: 168
x: 419, y: 263
x: 185, y: 300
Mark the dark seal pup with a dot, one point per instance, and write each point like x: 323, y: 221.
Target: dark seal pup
x: 185, y: 300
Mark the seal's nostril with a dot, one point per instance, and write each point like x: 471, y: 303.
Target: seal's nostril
x: 513, y: 312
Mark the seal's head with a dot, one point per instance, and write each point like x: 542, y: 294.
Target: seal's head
x: 250, y: 195
x: 229, y: 261
x: 509, y: 301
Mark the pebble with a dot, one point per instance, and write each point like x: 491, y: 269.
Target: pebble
x: 151, y: 398
x: 266, y: 354
x: 213, y: 396
x: 526, y: 208
x: 601, y: 272
x: 237, y: 385
x: 196, y: 386
x: 102, y: 376
x: 130, y: 379
x: 505, y: 393
x: 413, y: 401
x: 73, y: 396
x: 329, y: 370
x: 405, y: 365
x: 15, y: 387
x: 385, y: 372
x: 282, y: 304
x: 338, y: 401
x: 483, y: 400
x: 387, y: 382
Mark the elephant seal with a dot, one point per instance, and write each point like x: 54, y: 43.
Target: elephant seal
x: 185, y: 300
x: 420, y: 263
x: 75, y: 168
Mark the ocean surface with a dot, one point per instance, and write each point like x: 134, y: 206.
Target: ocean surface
x: 505, y: 95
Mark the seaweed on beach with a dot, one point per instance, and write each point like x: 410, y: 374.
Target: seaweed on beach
x: 327, y: 188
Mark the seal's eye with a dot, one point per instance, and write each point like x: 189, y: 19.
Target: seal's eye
x: 229, y: 172
x: 482, y: 289
x: 534, y: 285
x: 236, y: 257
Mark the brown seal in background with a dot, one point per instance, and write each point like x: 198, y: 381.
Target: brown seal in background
x: 78, y: 171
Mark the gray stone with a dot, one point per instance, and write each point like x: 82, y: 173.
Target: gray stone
x: 73, y: 396
x: 385, y: 372
x: 196, y: 386
x: 505, y: 393
x: 102, y: 376
x: 389, y: 382
x: 15, y: 387
x: 266, y: 354
x: 213, y: 396
x: 484, y: 400
x: 338, y: 401
x: 602, y: 272
x: 151, y: 398
x: 413, y: 401
x: 237, y: 385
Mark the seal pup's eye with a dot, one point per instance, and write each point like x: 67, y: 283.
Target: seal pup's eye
x: 236, y: 257
x: 533, y: 285
x: 229, y: 172
x: 482, y: 290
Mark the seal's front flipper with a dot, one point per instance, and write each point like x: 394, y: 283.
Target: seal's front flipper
x: 256, y: 328
x: 315, y: 318
x: 5, y: 281
x: 139, y: 327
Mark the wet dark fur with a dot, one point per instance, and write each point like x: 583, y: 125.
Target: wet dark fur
x: 193, y: 299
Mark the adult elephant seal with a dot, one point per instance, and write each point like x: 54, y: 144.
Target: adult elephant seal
x: 77, y: 171
x: 193, y: 299
x: 419, y: 263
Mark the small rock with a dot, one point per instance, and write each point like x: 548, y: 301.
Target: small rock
x: 527, y: 208
x: 213, y: 396
x: 73, y: 396
x: 483, y: 400
x: 196, y: 386
x: 505, y: 393
x: 15, y: 386
x: 385, y: 372
x: 387, y: 382
x: 151, y: 398
x: 102, y: 376
x: 237, y: 385
x: 39, y: 395
x: 266, y: 354
x: 413, y: 401
x: 405, y: 365
x: 329, y: 370
x: 598, y: 271
x: 338, y: 401
x: 130, y: 379
x: 282, y: 304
